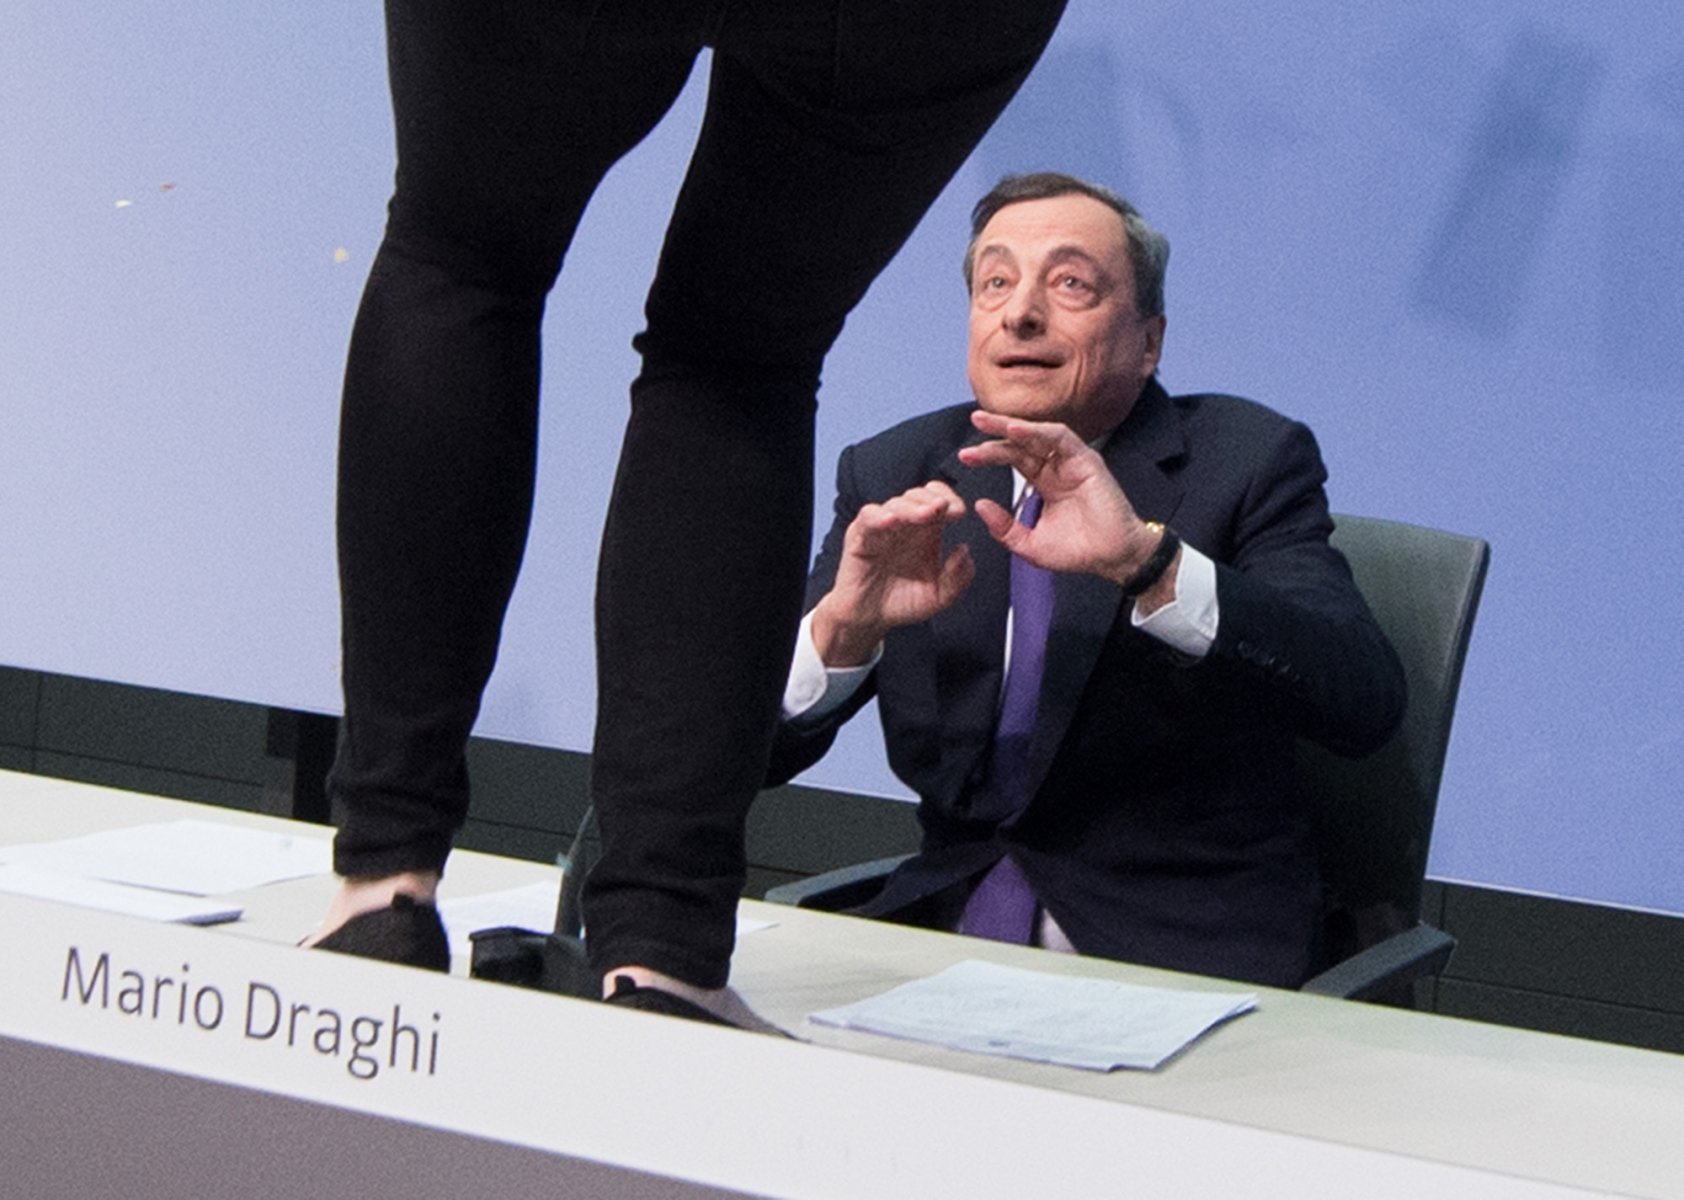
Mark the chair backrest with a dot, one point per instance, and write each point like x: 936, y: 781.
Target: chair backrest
x: 1376, y: 813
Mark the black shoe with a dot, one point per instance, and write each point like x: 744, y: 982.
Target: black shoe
x: 406, y: 933
x: 627, y: 994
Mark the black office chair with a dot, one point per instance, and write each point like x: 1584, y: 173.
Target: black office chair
x: 1375, y: 814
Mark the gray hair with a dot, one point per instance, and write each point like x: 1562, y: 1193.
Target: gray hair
x: 1148, y: 250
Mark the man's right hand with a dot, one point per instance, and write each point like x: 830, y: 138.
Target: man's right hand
x: 891, y: 573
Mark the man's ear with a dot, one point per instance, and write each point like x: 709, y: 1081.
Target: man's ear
x: 1154, y: 343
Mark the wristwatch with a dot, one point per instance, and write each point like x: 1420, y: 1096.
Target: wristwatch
x: 1153, y: 568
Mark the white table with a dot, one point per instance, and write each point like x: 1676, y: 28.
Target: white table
x: 1306, y: 1096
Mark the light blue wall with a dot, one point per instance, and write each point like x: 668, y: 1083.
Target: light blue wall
x: 1445, y: 235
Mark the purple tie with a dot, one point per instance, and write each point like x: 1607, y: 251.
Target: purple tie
x: 1003, y: 905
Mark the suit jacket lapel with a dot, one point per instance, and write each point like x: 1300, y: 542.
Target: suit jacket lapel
x: 969, y: 638
x: 1086, y: 607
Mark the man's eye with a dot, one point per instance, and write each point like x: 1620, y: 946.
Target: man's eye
x: 1074, y: 283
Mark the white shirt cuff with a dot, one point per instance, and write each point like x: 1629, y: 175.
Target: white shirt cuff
x: 1188, y: 623
x: 815, y: 690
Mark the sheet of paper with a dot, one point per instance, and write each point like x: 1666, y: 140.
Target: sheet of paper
x: 25, y: 880
x: 1096, y: 1024
x: 200, y: 858
x: 530, y: 907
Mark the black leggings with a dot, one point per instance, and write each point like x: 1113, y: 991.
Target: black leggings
x: 831, y: 125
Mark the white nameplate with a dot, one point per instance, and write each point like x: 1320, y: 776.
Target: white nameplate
x: 716, y: 1106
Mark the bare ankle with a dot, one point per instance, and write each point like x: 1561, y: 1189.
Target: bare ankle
x: 645, y: 977
x: 358, y: 895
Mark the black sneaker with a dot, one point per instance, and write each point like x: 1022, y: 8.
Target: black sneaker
x: 627, y: 994
x: 407, y: 933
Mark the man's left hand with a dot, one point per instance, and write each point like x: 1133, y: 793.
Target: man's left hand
x: 1086, y: 525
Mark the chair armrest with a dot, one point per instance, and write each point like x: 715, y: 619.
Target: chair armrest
x: 1387, y: 965
x: 842, y: 888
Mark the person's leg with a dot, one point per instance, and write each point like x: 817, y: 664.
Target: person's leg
x: 508, y: 113
x: 822, y: 147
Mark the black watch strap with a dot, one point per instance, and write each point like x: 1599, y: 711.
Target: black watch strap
x: 1153, y: 568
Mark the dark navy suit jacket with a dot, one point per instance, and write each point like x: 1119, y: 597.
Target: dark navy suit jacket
x: 1164, y: 826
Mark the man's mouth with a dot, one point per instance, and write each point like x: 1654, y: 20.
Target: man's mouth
x: 1011, y: 361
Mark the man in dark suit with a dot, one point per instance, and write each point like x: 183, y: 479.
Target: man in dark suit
x: 1200, y: 622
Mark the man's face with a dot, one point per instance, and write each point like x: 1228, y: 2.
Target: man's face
x: 1054, y: 331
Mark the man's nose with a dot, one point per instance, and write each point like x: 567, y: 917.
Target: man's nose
x: 1025, y: 313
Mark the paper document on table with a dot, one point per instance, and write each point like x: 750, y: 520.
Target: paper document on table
x: 21, y: 879
x: 530, y: 907
x: 200, y: 858
x: 1096, y: 1024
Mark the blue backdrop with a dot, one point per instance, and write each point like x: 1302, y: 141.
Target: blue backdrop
x: 1446, y: 236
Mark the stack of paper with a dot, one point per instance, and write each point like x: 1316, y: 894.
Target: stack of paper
x: 1092, y: 1023
x: 21, y: 879
x: 161, y: 871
